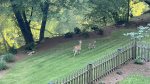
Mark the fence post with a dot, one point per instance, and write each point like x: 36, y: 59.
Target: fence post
x: 90, y: 76
x: 134, y: 50
x: 119, y: 56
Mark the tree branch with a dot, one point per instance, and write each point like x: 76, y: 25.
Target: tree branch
x: 49, y: 32
x: 30, y: 15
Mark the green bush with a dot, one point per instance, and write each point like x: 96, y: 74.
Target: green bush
x: 85, y: 34
x: 139, y: 60
x: 3, y: 65
x: 97, y: 30
x: 68, y: 35
x: 77, y: 30
x: 9, y: 57
x: 13, y: 50
x: 94, y: 28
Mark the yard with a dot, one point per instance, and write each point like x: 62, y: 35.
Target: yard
x: 58, y: 62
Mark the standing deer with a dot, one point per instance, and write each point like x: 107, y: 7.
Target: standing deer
x: 92, y: 45
x: 77, y: 48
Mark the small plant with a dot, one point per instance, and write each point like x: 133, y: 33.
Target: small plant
x: 68, y: 35
x: 13, y: 50
x: 9, y: 57
x: 77, y: 30
x: 101, y: 82
x: 97, y: 30
x: 142, y: 33
x: 119, y: 72
x: 94, y: 28
x: 85, y: 34
x: 3, y: 65
x: 139, y: 60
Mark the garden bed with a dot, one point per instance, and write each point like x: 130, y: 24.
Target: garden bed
x: 127, y: 70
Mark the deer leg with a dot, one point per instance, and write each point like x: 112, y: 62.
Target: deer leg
x: 75, y: 52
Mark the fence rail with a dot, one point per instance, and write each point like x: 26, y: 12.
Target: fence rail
x: 100, y: 68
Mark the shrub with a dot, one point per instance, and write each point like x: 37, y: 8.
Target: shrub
x: 13, y: 50
x: 9, y: 57
x: 139, y: 60
x: 30, y: 46
x: 94, y: 28
x: 121, y: 22
x: 97, y: 30
x: 85, y: 34
x: 77, y: 30
x: 68, y: 35
x: 3, y: 65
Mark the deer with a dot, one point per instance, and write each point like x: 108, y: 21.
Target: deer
x: 77, y: 48
x: 92, y: 45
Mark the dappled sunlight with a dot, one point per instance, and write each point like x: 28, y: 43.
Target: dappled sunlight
x: 139, y: 8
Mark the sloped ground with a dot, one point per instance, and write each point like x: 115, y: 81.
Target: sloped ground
x: 53, y: 58
x: 58, y: 61
x: 127, y: 70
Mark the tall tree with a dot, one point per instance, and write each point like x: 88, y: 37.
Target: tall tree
x: 114, y: 10
x: 25, y: 10
x: 20, y: 14
x: 44, y: 8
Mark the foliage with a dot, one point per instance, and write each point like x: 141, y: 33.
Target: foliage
x: 137, y: 8
x: 35, y: 29
x: 142, y: 33
x: 105, y: 11
x: 139, y: 60
x: 68, y: 35
x: 3, y: 65
x: 97, y: 30
x: 12, y: 50
x: 9, y: 57
x: 85, y: 33
x: 77, y: 30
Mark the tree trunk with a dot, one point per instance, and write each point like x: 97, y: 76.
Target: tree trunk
x: 128, y: 13
x: 21, y: 20
x: 44, y: 9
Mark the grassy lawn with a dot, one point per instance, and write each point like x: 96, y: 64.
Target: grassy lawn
x: 59, y: 62
x: 136, y: 79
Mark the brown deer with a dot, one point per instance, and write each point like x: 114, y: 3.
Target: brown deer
x: 77, y: 48
x: 92, y: 45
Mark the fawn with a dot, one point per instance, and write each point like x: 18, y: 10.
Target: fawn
x: 92, y: 45
x: 77, y: 48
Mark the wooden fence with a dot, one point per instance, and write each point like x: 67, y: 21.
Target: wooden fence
x: 95, y: 71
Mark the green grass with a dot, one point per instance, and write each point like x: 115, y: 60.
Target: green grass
x: 59, y: 62
x: 136, y: 79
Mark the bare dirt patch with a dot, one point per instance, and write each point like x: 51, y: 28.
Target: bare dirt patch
x: 129, y: 69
